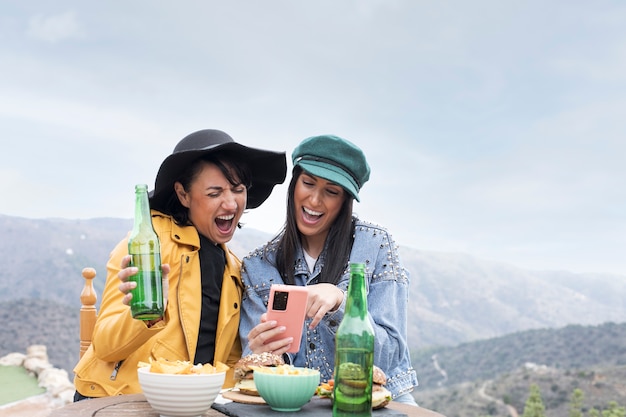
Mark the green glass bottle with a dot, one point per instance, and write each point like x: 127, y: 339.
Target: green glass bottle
x: 354, y: 352
x: 145, y: 252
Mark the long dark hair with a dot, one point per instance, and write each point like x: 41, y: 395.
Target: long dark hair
x: 235, y: 171
x: 338, y: 242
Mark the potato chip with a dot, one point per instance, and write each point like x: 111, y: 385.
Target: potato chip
x: 178, y: 367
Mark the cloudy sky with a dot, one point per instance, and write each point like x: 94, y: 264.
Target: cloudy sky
x: 493, y: 128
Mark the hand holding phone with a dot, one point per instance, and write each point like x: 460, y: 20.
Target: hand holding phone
x: 287, y: 306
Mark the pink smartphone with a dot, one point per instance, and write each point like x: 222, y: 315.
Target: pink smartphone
x: 287, y: 305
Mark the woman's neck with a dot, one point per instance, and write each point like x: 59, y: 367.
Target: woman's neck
x: 313, y: 245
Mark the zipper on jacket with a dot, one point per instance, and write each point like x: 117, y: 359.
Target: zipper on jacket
x: 116, y: 369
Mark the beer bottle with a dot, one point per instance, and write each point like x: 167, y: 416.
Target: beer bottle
x: 145, y: 252
x: 354, y: 352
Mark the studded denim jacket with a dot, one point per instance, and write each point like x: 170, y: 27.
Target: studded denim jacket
x: 387, y: 285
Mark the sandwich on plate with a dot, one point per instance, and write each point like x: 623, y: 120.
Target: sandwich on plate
x: 381, y: 396
x: 244, y: 370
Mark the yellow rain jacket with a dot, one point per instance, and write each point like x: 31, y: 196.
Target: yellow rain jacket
x: 109, y: 367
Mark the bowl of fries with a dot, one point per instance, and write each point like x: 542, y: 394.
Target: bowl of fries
x: 179, y: 388
x: 286, y: 387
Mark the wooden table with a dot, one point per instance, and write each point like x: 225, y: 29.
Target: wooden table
x: 135, y: 405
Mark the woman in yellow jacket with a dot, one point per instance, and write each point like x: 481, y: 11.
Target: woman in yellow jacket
x: 200, y: 193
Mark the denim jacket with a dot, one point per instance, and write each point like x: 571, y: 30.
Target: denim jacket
x: 387, y: 285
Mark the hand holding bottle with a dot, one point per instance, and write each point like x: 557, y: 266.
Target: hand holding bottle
x: 127, y: 285
x: 144, y: 248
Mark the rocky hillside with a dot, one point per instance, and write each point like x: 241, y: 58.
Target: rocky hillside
x: 506, y: 394
x: 568, y: 348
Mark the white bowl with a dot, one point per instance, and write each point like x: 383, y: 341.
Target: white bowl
x: 171, y: 395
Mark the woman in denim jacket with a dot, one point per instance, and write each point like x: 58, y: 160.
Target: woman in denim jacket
x: 318, y: 242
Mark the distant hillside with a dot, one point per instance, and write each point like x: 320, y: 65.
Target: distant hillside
x: 506, y: 394
x: 27, y: 322
x: 570, y: 347
x: 485, y: 377
x: 46, y: 257
x: 454, y: 298
x: 457, y: 298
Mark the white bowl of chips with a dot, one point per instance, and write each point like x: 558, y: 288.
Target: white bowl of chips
x: 179, y: 389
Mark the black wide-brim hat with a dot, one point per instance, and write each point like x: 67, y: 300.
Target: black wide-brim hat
x: 267, y: 168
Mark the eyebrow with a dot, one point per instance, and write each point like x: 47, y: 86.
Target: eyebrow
x: 214, y: 187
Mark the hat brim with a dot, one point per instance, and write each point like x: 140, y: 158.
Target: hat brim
x: 330, y: 173
x: 267, y: 169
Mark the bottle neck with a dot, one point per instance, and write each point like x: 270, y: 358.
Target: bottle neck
x: 356, y: 304
x: 142, y: 208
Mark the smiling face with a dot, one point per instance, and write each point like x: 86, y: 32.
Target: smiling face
x: 215, y: 205
x: 317, y: 203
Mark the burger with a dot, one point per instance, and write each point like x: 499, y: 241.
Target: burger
x: 351, y: 381
x: 381, y: 396
x: 244, y: 370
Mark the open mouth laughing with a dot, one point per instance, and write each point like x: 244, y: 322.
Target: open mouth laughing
x: 310, y: 215
x: 224, y: 223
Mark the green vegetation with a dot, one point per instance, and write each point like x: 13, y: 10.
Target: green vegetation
x: 16, y: 384
x: 534, y: 404
x: 613, y: 409
x: 576, y: 403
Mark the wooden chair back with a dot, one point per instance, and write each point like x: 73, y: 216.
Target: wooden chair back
x: 88, y: 313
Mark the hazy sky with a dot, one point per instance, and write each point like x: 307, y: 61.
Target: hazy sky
x: 494, y: 128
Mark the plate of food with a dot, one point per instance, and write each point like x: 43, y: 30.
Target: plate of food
x: 245, y: 390
x: 380, y: 395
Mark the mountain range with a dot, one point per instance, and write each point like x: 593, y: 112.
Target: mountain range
x: 454, y: 297
x: 474, y: 326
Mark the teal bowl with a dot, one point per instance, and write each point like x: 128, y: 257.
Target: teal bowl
x: 287, y: 391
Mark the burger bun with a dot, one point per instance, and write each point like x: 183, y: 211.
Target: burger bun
x: 244, y: 370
